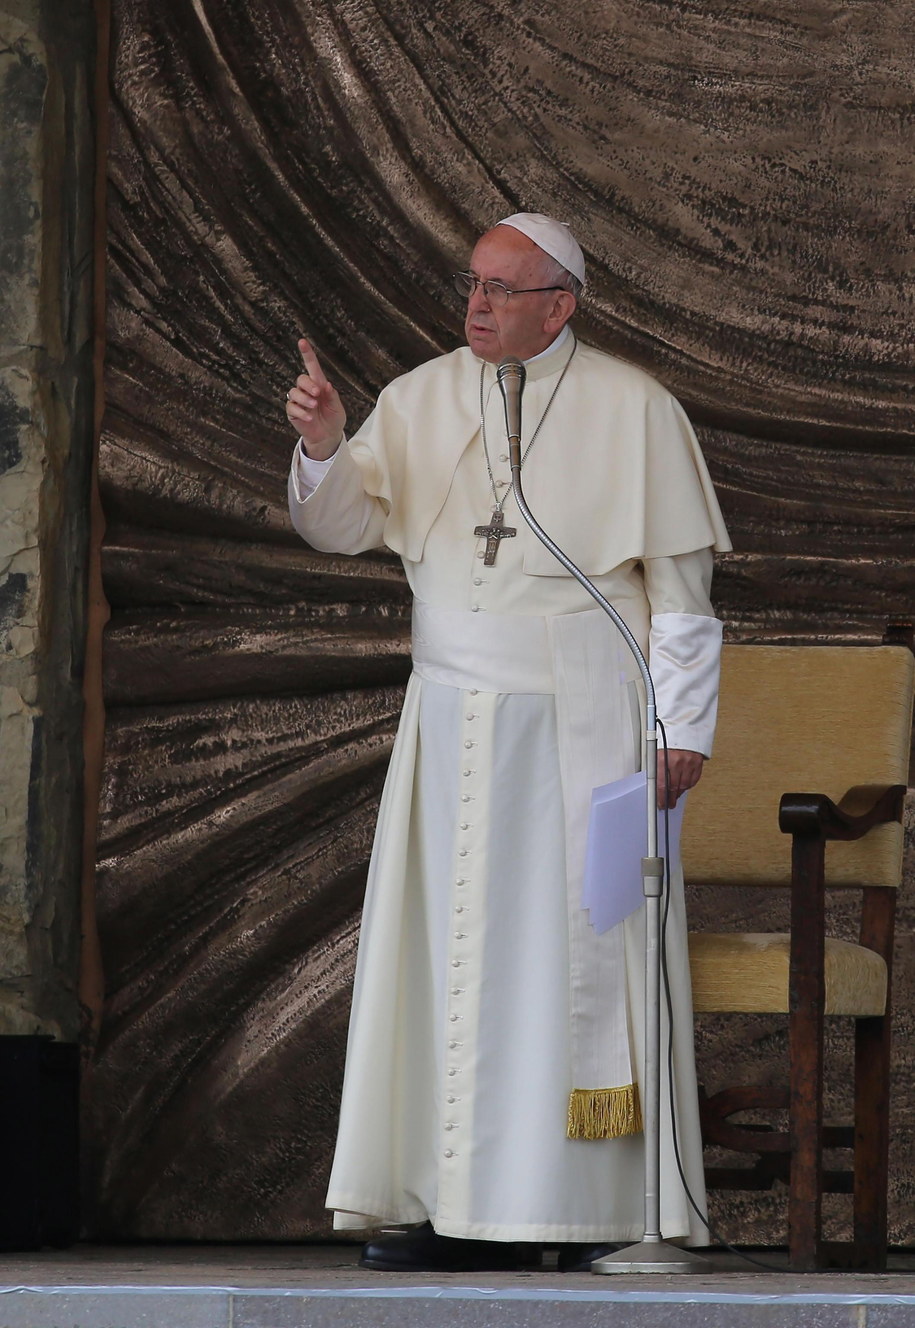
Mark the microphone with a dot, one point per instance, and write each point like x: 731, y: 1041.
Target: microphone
x: 511, y: 374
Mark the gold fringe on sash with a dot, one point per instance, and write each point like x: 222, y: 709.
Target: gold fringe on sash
x: 604, y: 1113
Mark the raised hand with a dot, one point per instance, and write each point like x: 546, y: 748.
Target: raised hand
x: 314, y: 409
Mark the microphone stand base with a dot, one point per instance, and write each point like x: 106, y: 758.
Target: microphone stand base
x: 651, y: 1256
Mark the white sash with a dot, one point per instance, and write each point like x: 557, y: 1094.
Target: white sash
x: 580, y: 659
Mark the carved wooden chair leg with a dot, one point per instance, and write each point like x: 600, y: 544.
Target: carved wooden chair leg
x: 806, y: 1113
x: 872, y: 1088
x: 872, y: 1093
x: 807, y: 1001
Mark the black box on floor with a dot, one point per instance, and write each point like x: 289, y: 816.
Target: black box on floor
x: 39, y: 1142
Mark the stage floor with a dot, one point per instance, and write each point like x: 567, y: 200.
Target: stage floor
x: 320, y: 1286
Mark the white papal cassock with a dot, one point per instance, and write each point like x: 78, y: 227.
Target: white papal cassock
x: 458, y: 1069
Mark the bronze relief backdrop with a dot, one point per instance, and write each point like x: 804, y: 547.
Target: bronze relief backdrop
x: 741, y: 181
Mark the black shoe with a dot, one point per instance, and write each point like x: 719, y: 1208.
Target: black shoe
x: 578, y: 1258
x: 422, y: 1250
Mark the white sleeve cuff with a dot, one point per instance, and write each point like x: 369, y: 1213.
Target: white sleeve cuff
x: 685, y: 661
x: 307, y: 473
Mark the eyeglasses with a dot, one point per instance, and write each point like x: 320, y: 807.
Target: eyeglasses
x: 465, y: 283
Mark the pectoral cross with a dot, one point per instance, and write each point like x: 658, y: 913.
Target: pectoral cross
x: 495, y: 531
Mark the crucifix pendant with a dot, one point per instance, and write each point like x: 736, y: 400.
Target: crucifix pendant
x: 495, y: 531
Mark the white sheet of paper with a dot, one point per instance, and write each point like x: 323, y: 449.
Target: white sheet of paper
x: 617, y: 842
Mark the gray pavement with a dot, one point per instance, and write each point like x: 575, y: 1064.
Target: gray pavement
x: 285, y: 1286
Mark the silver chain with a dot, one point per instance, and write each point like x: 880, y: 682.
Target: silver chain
x: 499, y: 502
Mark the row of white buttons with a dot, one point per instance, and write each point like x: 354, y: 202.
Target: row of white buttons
x: 460, y: 955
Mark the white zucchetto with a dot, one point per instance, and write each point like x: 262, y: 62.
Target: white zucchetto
x: 553, y: 237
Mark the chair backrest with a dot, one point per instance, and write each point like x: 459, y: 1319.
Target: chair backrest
x: 800, y: 719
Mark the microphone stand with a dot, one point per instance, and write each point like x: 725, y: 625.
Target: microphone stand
x: 652, y: 1254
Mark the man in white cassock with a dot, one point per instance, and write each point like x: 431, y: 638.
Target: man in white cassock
x: 496, y: 1044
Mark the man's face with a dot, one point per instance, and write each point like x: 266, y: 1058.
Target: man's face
x: 527, y: 323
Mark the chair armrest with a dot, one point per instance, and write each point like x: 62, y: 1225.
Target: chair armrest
x: 815, y: 815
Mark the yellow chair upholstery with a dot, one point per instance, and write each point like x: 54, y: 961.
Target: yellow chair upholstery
x: 747, y: 973
x: 817, y: 718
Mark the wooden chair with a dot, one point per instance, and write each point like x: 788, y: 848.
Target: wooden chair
x: 837, y: 722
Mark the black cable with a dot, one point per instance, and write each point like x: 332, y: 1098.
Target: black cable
x: 703, y: 1217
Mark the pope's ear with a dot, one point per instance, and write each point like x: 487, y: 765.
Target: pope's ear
x: 564, y: 307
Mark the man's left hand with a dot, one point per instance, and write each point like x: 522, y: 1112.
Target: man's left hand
x: 685, y: 768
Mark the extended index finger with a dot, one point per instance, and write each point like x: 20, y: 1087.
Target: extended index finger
x: 311, y: 361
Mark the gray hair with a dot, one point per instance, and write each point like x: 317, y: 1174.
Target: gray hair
x: 554, y: 274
